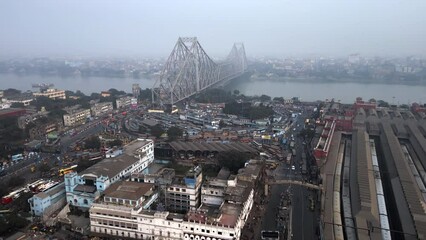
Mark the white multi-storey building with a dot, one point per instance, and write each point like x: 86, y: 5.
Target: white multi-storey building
x: 51, y: 93
x: 99, y: 109
x: 76, y: 116
x: 84, y: 188
x: 184, y: 193
x: 42, y: 201
x: 208, y: 222
x: 123, y: 102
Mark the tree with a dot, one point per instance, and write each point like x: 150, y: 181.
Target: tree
x: 279, y: 99
x: 15, y: 181
x: 174, y: 133
x: 115, y: 92
x: 307, y: 133
x: 236, y: 92
x: 3, y: 190
x: 157, y: 130
x: 44, y: 168
x: 115, y: 143
x: 17, y: 105
x: 222, y: 124
x: 233, y: 160
x: 214, y: 95
x: 17, y: 222
x: 57, y: 113
x: 142, y: 129
x: 69, y: 93
x: 93, y: 142
x: 145, y: 94
x: 265, y: 98
x: 382, y: 103
x: 404, y: 106
x: 11, y: 92
x: 79, y: 93
x: 95, y: 96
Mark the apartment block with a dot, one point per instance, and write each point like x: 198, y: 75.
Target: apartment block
x: 216, y: 222
x: 99, y: 109
x: 51, y: 93
x: 82, y: 189
x: 185, y: 192
x: 76, y: 117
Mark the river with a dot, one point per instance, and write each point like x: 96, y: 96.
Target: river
x: 85, y: 85
x: 306, y: 91
x: 345, y: 92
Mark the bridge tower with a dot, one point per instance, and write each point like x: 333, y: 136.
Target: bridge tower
x: 189, y: 70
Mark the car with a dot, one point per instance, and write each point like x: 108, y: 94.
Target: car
x: 293, y: 167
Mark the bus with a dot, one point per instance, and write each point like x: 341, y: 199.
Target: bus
x: 64, y: 171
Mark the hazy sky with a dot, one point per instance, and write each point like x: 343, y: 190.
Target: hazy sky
x: 267, y: 28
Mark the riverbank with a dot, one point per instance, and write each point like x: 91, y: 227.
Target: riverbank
x: 338, y: 80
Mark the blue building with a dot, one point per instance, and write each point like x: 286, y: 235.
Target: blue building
x: 82, y: 189
x: 43, y: 201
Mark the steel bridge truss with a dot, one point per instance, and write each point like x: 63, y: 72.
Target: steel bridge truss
x: 189, y: 70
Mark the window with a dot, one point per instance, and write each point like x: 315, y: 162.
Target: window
x: 231, y: 234
x: 220, y: 233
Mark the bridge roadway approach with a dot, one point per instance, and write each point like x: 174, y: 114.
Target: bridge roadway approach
x: 290, y: 182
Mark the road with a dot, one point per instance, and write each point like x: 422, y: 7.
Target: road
x: 304, y: 219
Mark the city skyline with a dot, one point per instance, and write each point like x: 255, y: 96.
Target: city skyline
x: 149, y: 29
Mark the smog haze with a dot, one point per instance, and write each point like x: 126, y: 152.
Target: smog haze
x: 267, y: 28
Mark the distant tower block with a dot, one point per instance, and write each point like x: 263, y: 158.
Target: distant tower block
x: 136, y: 90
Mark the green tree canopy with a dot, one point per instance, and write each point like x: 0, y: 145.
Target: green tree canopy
x: 222, y: 124
x: 17, y: 105
x: 233, y: 160
x: 214, y: 95
x: 265, y: 98
x: 145, y: 94
x: 57, y: 113
x: 174, y: 133
x: 15, y: 181
x: 115, y: 92
x: 11, y: 92
x: 279, y: 99
x: 157, y: 130
x: 43, y: 167
x: 115, y: 143
x: 382, y: 103
x: 92, y: 142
